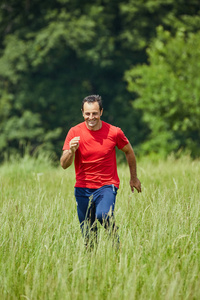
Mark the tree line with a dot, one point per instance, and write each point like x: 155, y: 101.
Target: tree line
x: 141, y: 56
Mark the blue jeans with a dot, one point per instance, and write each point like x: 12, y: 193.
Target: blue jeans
x: 95, y: 204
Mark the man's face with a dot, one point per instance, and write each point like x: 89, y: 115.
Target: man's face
x: 92, y: 114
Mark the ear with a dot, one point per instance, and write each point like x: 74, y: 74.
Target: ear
x: 101, y: 112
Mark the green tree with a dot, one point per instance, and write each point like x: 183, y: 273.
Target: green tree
x: 168, y: 93
x: 54, y: 53
x: 52, y: 56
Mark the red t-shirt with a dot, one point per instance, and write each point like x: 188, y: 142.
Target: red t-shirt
x: 95, y: 158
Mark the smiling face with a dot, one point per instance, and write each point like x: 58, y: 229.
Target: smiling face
x: 92, y: 114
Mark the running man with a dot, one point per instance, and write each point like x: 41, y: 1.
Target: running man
x: 93, y: 143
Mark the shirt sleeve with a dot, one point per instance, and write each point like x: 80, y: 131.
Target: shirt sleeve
x: 68, y: 138
x: 121, y: 139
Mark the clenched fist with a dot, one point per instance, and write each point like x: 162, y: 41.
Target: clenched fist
x: 74, y: 143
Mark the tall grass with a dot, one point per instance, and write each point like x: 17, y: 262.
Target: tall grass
x: 42, y: 254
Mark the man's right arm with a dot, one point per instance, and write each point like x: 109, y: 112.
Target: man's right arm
x: 66, y: 158
x: 68, y: 155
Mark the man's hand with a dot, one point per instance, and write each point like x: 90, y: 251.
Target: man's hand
x: 68, y: 155
x: 74, y: 144
x: 130, y: 156
x: 135, y: 183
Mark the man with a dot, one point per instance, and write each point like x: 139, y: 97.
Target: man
x: 93, y: 143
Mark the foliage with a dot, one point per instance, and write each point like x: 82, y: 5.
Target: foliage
x: 168, y: 92
x: 54, y: 53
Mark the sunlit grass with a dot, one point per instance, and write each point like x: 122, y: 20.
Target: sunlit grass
x: 42, y: 254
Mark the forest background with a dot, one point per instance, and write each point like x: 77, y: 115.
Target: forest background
x: 141, y: 56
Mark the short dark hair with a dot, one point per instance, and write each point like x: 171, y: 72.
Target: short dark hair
x: 93, y: 98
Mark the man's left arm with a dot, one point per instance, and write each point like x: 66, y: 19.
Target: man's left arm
x: 130, y: 157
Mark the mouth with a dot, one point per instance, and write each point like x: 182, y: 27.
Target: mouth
x: 91, y: 122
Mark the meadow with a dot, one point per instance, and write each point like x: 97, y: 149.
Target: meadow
x: 42, y: 254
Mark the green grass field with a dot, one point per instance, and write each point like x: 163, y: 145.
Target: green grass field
x: 42, y: 255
